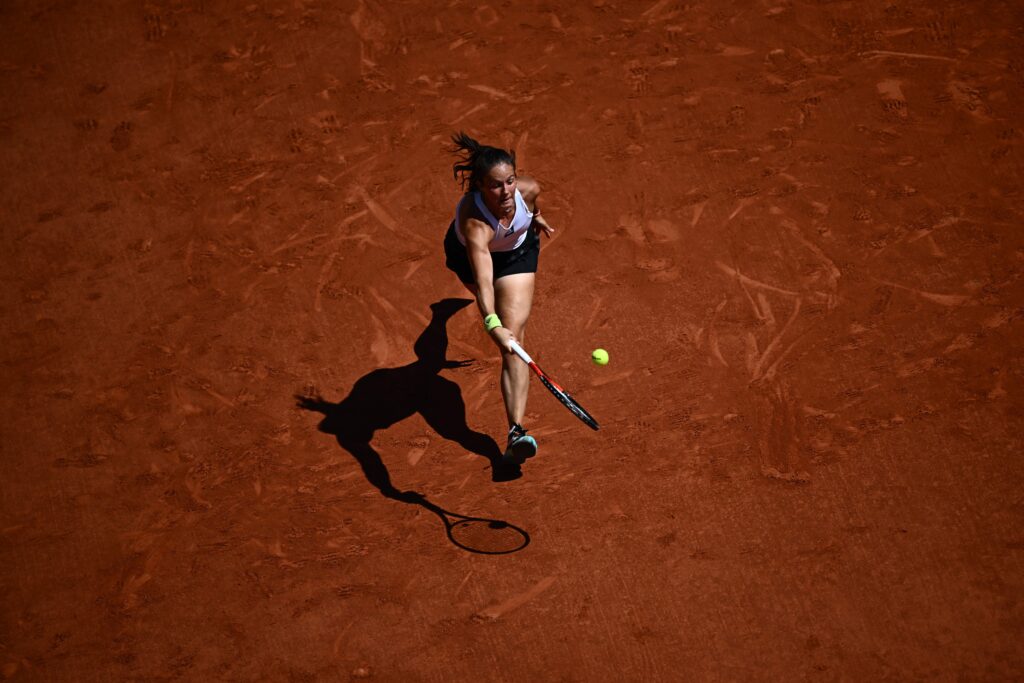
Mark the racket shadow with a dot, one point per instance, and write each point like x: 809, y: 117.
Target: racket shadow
x: 480, y: 535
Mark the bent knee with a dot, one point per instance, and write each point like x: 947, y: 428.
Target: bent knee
x: 519, y: 330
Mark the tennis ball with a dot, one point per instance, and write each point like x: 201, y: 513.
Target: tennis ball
x: 599, y: 356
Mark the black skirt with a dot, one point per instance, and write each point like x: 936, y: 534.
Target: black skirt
x: 522, y: 259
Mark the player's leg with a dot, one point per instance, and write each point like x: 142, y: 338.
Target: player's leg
x: 513, y: 300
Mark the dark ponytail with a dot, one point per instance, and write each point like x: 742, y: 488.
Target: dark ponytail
x: 476, y: 160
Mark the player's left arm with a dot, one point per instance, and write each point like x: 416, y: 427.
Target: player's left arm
x: 530, y: 189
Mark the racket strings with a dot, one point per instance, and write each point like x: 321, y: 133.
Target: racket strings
x: 570, y: 403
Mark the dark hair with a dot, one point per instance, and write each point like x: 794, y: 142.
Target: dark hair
x: 477, y: 159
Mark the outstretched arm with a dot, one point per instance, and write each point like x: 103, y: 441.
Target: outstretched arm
x: 478, y: 236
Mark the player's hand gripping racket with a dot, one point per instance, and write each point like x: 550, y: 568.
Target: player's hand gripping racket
x: 560, y: 393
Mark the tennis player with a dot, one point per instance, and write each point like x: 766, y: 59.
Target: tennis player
x: 493, y: 245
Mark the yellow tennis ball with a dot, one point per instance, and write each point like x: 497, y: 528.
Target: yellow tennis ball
x: 599, y: 356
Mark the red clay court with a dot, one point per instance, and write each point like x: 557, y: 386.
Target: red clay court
x: 795, y: 226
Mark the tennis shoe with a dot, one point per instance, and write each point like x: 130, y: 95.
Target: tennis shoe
x: 520, y: 445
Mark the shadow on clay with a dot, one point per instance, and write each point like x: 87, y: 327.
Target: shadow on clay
x: 389, y: 395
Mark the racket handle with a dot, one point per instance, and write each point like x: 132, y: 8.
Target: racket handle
x: 519, y: 351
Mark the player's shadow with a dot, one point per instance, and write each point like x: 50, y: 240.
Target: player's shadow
x: 389, y: 395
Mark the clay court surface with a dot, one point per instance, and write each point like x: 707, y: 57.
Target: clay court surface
x: 796, y: 228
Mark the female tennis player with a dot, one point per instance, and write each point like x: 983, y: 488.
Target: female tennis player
x: 493, y: 245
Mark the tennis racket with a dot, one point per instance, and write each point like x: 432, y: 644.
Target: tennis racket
x: 561, y: 394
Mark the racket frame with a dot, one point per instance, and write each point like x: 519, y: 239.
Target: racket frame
x: 561, y: 394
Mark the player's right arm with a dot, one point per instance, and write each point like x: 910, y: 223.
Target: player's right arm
x: 478, y: 237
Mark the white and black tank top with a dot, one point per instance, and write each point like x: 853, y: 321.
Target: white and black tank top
x: 505, y: 238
